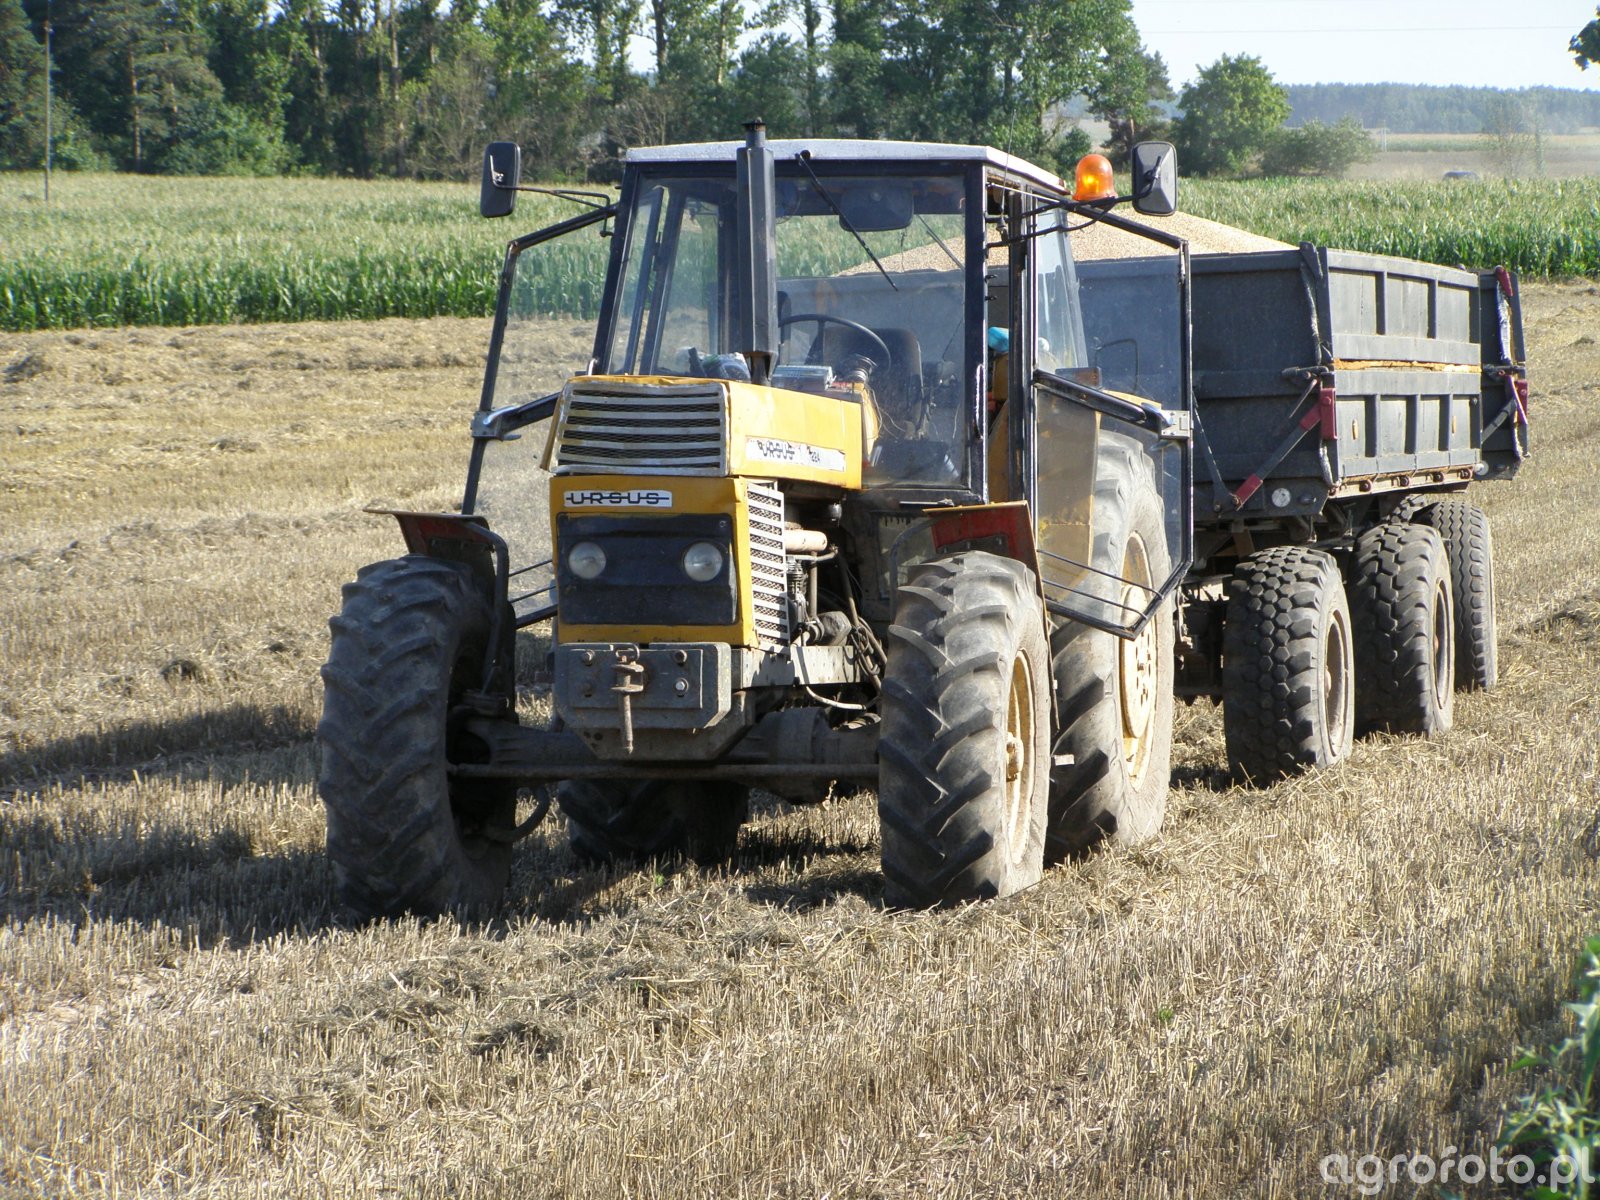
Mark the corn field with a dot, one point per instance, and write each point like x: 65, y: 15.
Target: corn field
x: 134, y: 250
x: 1547, y: 228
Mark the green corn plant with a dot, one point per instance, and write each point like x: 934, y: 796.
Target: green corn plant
x: 1560, y: 1123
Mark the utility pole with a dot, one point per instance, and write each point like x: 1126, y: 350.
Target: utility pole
x: 47, y: 131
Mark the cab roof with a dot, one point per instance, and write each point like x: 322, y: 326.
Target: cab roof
x: 855, y: 150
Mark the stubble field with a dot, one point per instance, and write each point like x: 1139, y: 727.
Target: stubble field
x: 1339, y: 964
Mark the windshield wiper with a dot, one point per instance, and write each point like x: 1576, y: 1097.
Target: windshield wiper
x: 933, y: 233
x: 804, y: 159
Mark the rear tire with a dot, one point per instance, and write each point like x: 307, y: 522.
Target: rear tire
x: 1288, y: 668
x: 963, y: 785
x: 1114, y: 698
x: 616, y: 820
x: 1404, y: 631
x: 402, y: 836
x: 1467, y: 542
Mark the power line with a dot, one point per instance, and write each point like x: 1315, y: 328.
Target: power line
x: 1368, y: 30
x: 1240, y: 3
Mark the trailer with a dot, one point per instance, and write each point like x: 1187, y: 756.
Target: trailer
x: 1343, y: 403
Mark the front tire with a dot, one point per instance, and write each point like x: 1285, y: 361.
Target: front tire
x: 402, y: 835
x: 963, y: 787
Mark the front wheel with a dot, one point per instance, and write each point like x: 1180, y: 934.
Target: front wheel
x: 402, y: 835
x: 964, y: 776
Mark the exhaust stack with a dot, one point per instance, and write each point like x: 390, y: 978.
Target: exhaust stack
x: 755, y: 315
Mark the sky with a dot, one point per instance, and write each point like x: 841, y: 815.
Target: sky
x: 1478, y: 43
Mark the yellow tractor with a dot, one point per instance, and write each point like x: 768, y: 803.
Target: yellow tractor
x: 840, y: 500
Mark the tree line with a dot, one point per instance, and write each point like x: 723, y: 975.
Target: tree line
x: 415, y: 87
x: 1418, y: 108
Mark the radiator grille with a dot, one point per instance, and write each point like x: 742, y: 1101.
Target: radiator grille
x: 768, y: 583
x: 643, y: 428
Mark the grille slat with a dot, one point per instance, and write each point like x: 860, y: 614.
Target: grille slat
x: 768, y: 584
x: 634, y: 441
x: 643, y: 412
x: 645, y: 428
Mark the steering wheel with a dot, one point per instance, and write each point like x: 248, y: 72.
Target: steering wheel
x: 821, y: 319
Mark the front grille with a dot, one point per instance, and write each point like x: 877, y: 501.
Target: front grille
x: 768, y: 585
x: 643, y: 428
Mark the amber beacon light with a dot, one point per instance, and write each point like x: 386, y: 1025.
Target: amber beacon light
x: 1094, y: 179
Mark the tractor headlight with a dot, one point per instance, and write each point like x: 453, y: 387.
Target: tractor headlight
x: 586, y: 560
x: 702, y: 562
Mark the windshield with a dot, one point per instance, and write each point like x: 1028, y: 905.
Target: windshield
x: 871, y: 299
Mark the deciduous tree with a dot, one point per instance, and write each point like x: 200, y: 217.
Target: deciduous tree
x: 1229, y: 112
x: 1585, y: 44
x: 1316, y: 149
x: 1128, y: 95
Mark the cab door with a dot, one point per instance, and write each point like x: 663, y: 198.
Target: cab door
x: 1106, y: 346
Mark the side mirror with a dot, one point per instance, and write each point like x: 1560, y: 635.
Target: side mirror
x: 502, y: 172
x: 1155, y: 179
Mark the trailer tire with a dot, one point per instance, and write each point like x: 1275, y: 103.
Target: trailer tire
x: 1409, y: 506
x: 963, y: 784
x: 1288, y: 674
x: 1470, y: 548
x: 620, y: 820
x: 1404, y: 631
x: 1112, y: 779
x: 402, y: 836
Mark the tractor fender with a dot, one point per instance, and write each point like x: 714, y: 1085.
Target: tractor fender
x: 1005, y: 529
x: 436, y: 534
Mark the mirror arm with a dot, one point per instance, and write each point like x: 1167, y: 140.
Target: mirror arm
x: 1093, y: 210
x: 587, y: 199
x: 562, y: 228
x: 501, y: 424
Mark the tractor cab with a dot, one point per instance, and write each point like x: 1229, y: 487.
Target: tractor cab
x: 870, y: 299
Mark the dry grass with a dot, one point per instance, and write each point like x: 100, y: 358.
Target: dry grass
x: 1429, y: 155
x: 1340, y: 963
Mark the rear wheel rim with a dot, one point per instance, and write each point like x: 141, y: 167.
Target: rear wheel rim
x: 1018, y: 765
x: 1136, y: 674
